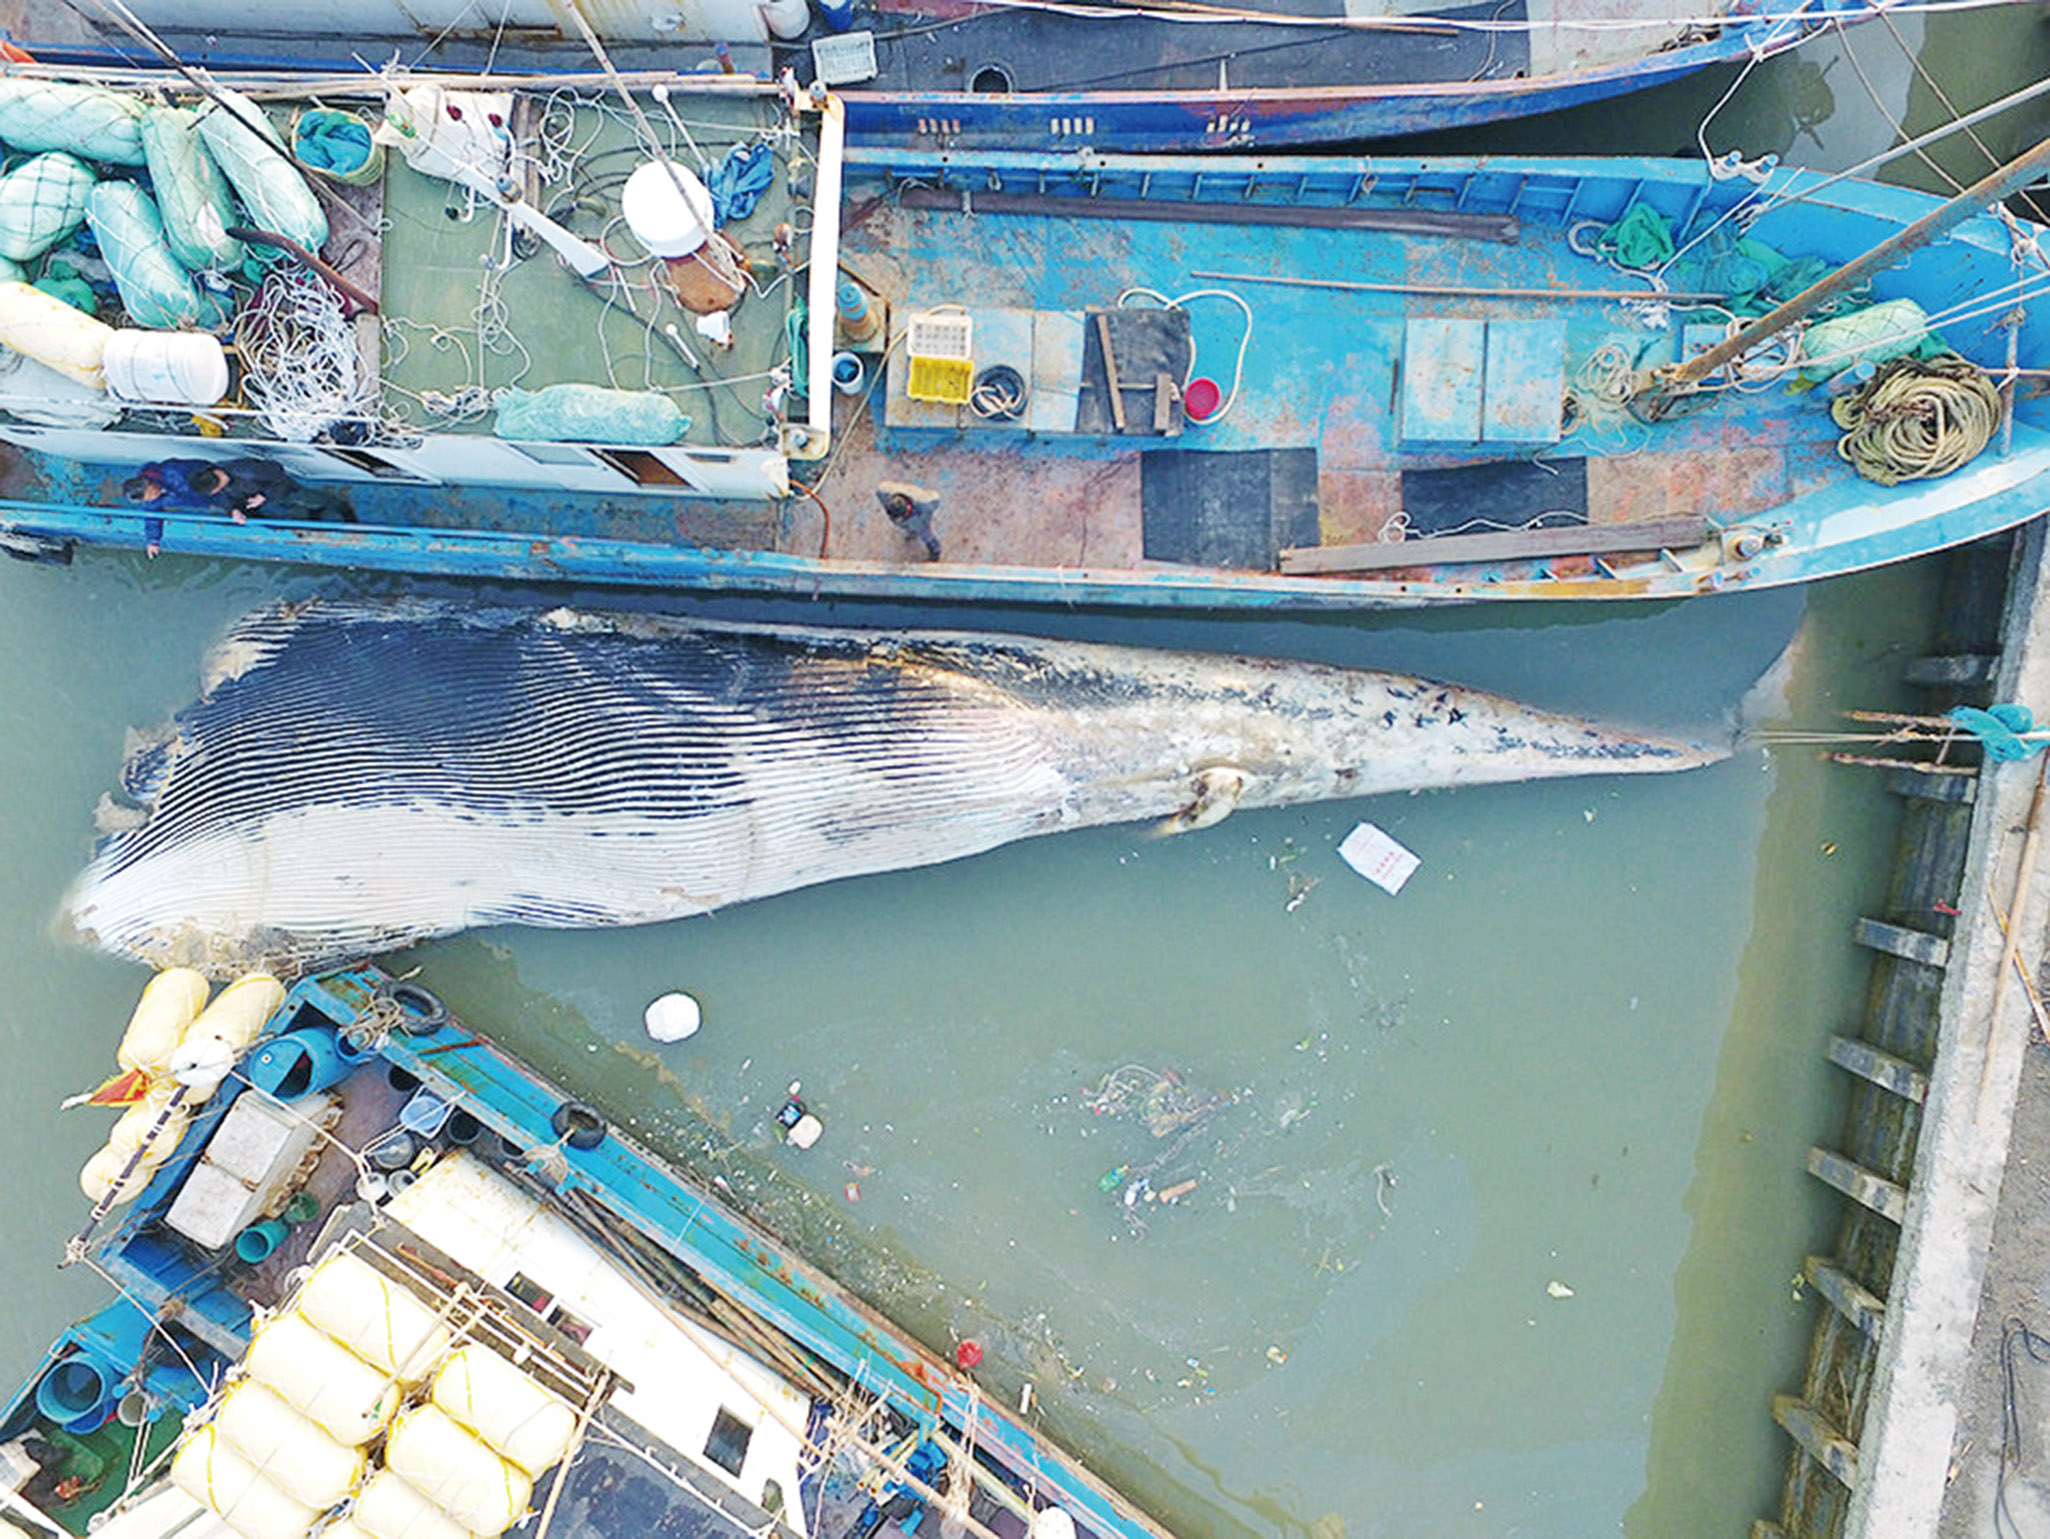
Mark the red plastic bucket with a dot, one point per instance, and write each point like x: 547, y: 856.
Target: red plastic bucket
x: 1201, y: 398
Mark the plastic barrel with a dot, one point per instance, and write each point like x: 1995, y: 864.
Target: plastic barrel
x: 837, y: 14
x: 300, y: 1063
x: 261, y: 1238
x: 353, y: 1053
x: 78, y: 1393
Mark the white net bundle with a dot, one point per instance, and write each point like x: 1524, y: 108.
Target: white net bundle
x: 300, y: 368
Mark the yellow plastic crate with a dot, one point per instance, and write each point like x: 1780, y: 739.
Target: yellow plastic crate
x: 942, y: 358
x: 945, y: 380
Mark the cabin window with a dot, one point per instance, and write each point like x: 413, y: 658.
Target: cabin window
x: 542, y: 1302
x: 641, y: 467
x: 552, y: 454
x: 772, y: 1498
x: 376, y: 464
x: 727, y: 1446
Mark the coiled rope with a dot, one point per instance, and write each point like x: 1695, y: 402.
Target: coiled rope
x: 1917, y: 418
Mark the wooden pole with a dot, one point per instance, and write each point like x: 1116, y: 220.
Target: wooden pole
x: 1981, y: 195
x: 2025, y: 869
x: 1461, y: 291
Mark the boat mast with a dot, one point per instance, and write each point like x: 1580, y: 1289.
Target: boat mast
x: 1666, y: 385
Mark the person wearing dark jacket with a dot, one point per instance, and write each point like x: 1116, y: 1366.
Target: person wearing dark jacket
x: 239, y: 488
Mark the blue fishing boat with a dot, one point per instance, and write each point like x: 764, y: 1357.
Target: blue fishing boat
x: 379, y: 1281
x: 693, y: 338
x: 1063, y: 75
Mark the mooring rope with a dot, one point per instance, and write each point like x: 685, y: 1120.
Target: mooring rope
x: 1916, y: 419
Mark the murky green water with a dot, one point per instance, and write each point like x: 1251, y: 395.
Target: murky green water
x: 1582, y: 1050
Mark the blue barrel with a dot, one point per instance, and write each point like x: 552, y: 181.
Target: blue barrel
x: 837, y: 14
x: 299, y: 1063
x: 351, y: 1053
x: 78, y: 1393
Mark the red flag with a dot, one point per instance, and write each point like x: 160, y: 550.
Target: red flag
x: 124, y: 1089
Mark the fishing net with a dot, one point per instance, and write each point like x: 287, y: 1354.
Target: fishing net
x: 192, y: 195
x: 251, y: 156
x: 41, y: 202
x: 156, y: 292
x: 86, y: 120
x: 1870, y: 335
x: 590, y: 414
x: 1999, y: 730
x: 300, y: 367
x: 1750, y: 276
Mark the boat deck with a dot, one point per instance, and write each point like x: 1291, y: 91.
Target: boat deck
x: 1316, y: 408
x: 464, y: 317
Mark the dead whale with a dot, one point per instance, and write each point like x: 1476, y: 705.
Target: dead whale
x: 358, y: 776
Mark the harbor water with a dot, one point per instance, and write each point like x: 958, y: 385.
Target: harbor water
x: 1498, y: 1182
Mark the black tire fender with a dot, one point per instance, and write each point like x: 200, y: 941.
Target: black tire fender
x: 578, y: 1125
x: 419, y: 1009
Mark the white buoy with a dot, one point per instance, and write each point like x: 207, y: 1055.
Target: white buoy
x: 668, y: 209
x: 673, y: 1017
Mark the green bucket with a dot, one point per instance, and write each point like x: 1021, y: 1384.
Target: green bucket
x: 337, y: 145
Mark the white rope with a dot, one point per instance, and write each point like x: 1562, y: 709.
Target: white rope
x: 1181, y: 302
x: 299, y: 360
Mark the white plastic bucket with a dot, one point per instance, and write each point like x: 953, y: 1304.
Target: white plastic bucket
x: 178, y: 368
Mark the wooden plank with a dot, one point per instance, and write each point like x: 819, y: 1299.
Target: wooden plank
x: 1900, y: 941
x: 1852, y: 1299
x: 1110, y: 371
x: 1682, y: 532
x: 1818, y: 1439
x: 1864, y: 1187
x: 1882, y: 1069
x: 1163, y: 405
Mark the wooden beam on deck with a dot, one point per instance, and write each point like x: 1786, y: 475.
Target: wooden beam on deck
x: 1818, y: 1439
x: 1868, y: 1188
x: 1680, y: 533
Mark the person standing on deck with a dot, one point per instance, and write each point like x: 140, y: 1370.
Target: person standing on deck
x: 911, y: 508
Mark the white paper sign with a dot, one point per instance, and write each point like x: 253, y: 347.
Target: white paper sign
x: 1378, y: 858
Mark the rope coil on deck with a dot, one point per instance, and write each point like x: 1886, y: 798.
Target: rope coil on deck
x: 1917, y: 418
